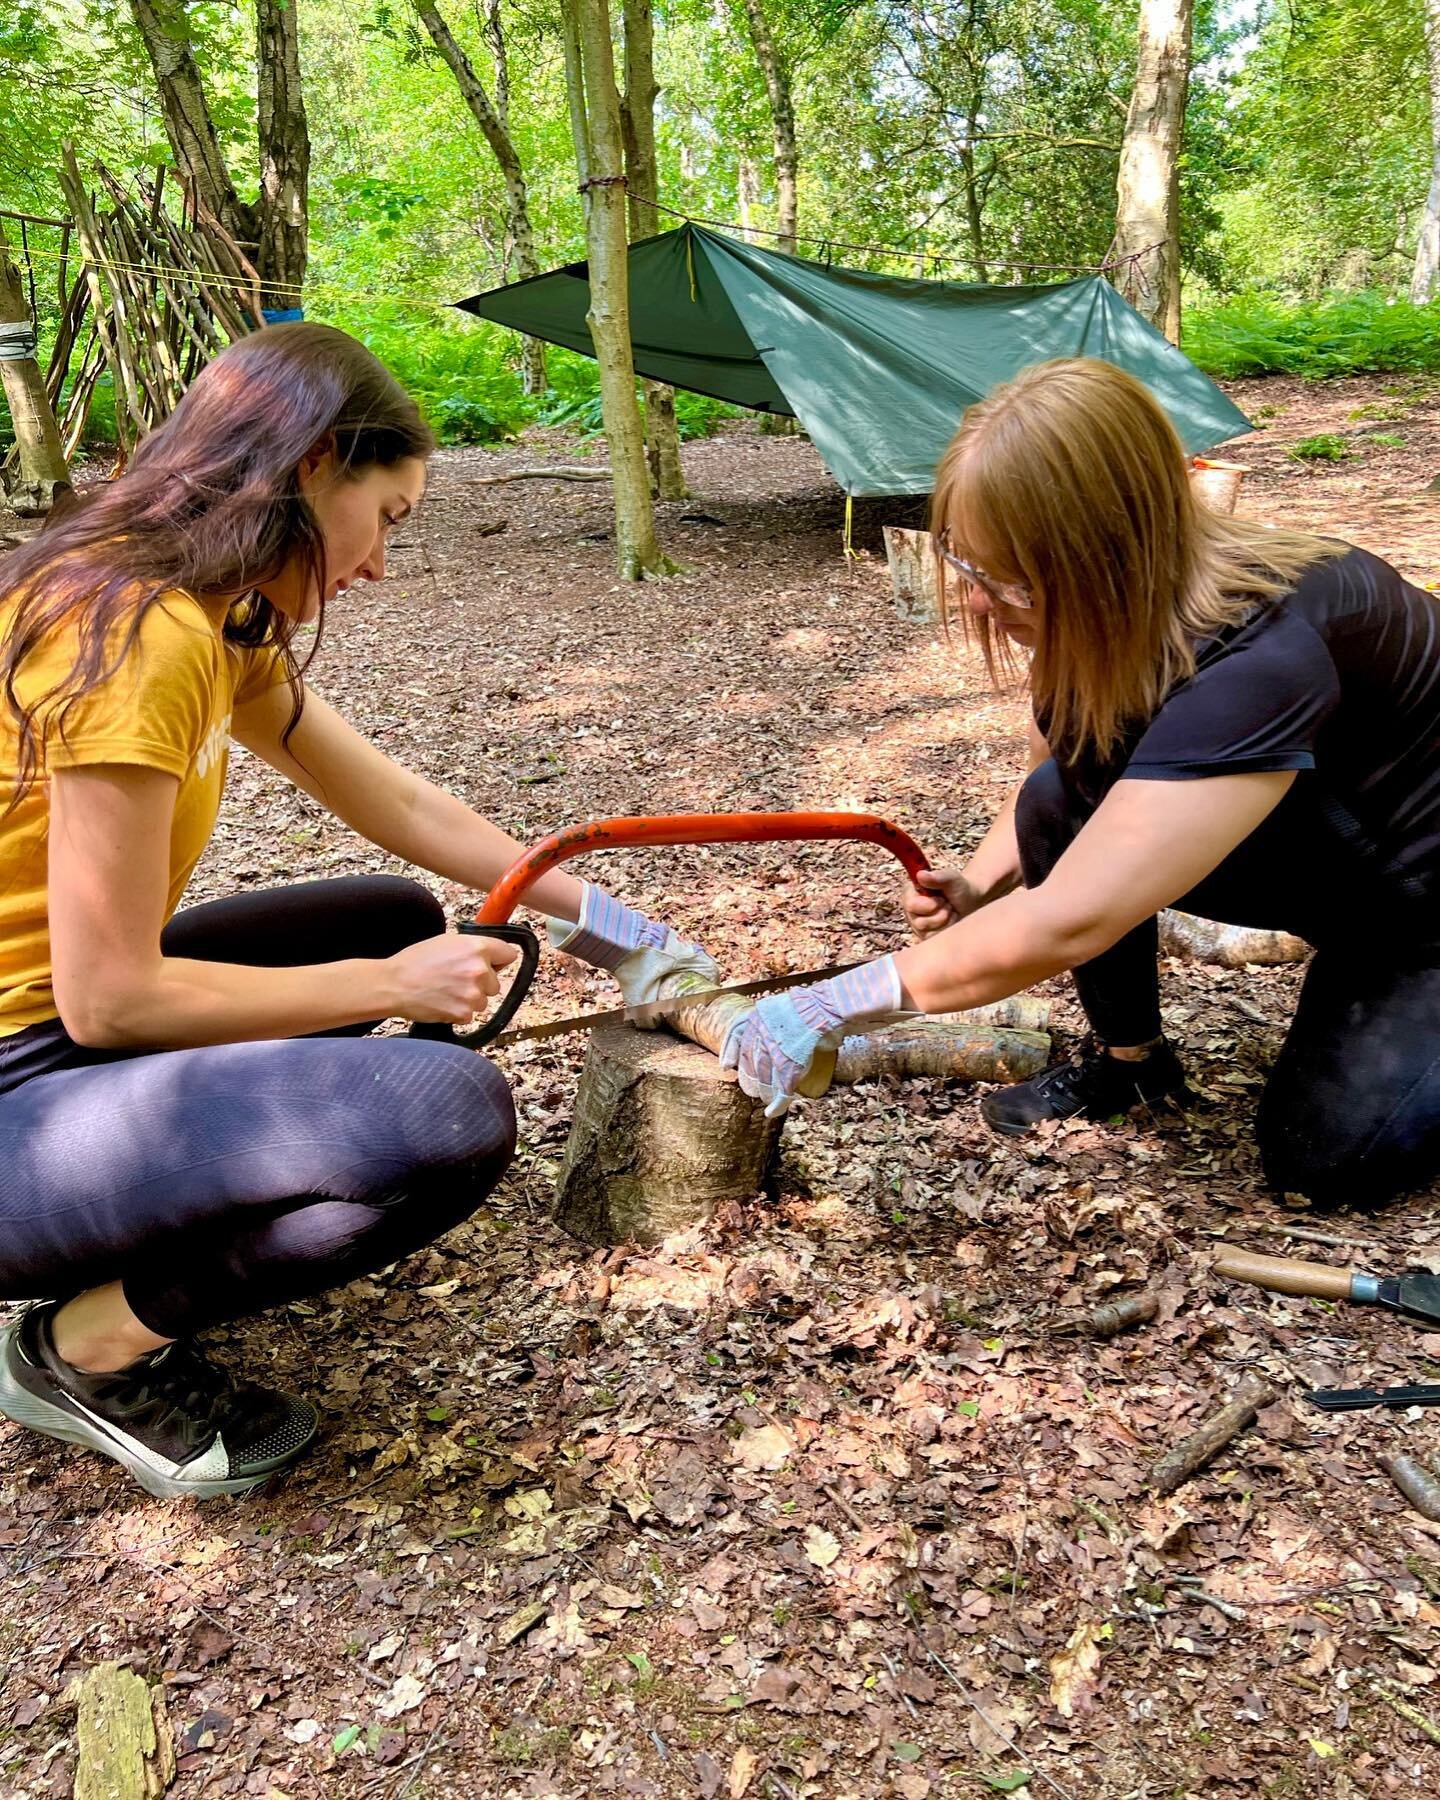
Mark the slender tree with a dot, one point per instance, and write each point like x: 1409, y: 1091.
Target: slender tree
x: 776, y: 72
x: 42, y: 458
x: 637, y: 117
x: 1147, y: 217
x: 1426, y: 275
x: 493, y: 118
x: 595, y: 117
x: 276, y: 225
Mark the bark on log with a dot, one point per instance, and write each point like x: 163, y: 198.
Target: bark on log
x: 125, y: 1748
x: 1415, y: 1482
x: 1228, y: 946
x: 1178, y: 1465
x: 942, y: 1047
x: 661, y: 1137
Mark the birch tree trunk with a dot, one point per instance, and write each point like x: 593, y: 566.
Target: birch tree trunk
x: 595, y: 111
x: 662, y: 437
x: 277, y: 226
x: 1427, y: 255
x: 775, y: 71
x: 42, y: 457
x: 1147, y: 217
x: 493, y: 118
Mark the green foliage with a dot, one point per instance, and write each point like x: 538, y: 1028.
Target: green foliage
x: 1325, y: 446
x: 1353, y: 335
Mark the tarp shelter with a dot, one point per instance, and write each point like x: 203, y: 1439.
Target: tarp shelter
x: 877, y: 369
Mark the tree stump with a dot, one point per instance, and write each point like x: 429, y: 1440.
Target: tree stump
x: 914, y: 572
x: 125, y: 1748
x: 661, y: 1137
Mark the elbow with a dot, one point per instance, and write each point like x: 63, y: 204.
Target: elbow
x: 1069, y: 937
x: 98, y: 1019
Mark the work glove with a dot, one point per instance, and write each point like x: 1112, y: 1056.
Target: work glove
x: 773, y: 1045
x: 642, y: 954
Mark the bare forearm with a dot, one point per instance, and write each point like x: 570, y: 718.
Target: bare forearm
x: 440, y: 833
x: 1000, y: 950
x: 182, y: 1004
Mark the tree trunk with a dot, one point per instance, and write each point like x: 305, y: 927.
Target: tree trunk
x: 1147, y: 217
x: 284, y: 210
x: 638, y: 552
x: 661, y: 1137
x: 494, y: 122
x: 277, y: 227
x: 776, y: 73
x: 1424, y: 281
x: 748, y: 181
x: 165, y: 28
x: 37, y: 436
x: 662, y: 437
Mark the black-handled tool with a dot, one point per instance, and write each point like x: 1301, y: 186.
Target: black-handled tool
x: 490, y: 1028
x: 1357, y: 1399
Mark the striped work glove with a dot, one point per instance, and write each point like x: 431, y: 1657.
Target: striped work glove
x: 639, y: 952
x: 773, y: 1046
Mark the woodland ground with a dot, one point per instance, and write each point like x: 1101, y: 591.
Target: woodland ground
x: 739, y: 1514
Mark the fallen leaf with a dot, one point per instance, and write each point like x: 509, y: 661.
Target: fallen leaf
x: 303, y: 1731
x: 742, y: 1771
x: 385, y: 1648
x: 762, y: 1447
x: 404, y: 1697
x: 821, y: 1547
x: 1075, y: 1672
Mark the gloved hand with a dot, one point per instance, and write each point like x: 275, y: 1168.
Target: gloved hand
x: 773, y: 1045
x: 640, y: 953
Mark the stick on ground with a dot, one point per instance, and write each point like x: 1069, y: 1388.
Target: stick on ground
x: 1179, y: 1464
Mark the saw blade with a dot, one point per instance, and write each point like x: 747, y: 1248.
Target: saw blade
x: 655, y: 1012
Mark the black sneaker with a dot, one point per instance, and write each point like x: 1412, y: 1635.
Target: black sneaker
x: 1093, y: 1083
x: 176, y: 1422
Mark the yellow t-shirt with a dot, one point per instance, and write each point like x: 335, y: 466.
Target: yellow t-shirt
x: 167, y: 706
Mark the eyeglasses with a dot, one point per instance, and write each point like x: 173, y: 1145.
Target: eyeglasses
x: 1014, y: 594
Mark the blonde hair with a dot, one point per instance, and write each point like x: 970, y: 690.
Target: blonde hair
x: 1071, y: 479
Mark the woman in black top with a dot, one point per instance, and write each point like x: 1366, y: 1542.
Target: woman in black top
x: 1239, y: 721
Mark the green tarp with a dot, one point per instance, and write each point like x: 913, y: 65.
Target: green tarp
x: 878, y: 370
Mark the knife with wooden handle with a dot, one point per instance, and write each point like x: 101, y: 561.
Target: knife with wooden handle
x: 1415, y: 1294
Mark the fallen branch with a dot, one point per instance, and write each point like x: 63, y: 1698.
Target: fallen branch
x: 1412, y: 1715
x: 1227, y: 946
x: 1179, y: 1464
x: 943, y: 1047
x: 1415, y: 1482
x: 124, y: 1746
x: 1118, y: 1315
x: 559, y: 473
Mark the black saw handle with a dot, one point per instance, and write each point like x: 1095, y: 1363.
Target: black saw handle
x: 494, y: 1023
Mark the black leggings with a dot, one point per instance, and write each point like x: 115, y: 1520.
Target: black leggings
x: 1351, y: 1113
x: 219, y: 1182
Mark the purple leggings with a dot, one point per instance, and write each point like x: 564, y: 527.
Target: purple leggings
x: 219, y: 1182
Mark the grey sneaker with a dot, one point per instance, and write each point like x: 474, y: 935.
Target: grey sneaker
x: 175, y: 1421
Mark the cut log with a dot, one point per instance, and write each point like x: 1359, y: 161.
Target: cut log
x: 661, y: 1137
x: 943, y: 1047
x: 124, y: 1746
x: 1228, y: 946
x: 914, y: 572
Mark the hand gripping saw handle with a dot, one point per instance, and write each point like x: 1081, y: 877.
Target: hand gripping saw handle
x: 492, y: 920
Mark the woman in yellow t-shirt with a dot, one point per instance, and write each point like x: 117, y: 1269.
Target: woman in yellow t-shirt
x: 194, y: 1125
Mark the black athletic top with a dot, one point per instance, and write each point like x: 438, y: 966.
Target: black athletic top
x: 1340, y: 678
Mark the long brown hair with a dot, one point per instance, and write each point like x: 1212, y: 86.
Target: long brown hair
x: 210, y: 504
x: 1071, y: 479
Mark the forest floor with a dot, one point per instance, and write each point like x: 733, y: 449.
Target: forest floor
x: 820, y: 1501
